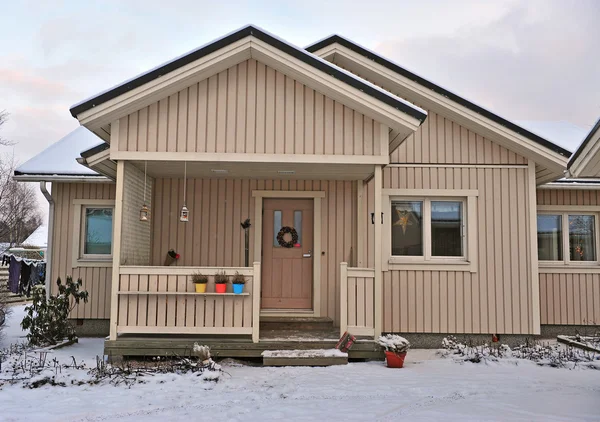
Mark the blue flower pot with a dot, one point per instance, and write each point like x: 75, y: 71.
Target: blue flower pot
x: 238, y: 289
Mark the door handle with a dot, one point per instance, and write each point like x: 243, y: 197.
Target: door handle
x: 307, y: 255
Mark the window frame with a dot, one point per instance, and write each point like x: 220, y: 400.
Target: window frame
x: 564, y: 215
x: 91, y: 256
x: 78, y: 258
x: 466, y: 262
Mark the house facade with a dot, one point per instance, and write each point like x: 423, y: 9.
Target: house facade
x: 376, y: 200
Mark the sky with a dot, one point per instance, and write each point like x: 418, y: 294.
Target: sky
x: 527, y: 60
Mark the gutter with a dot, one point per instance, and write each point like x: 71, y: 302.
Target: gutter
x: 50, y: 235
x: 60, y: 178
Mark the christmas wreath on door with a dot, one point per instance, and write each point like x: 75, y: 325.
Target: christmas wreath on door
x: 280, y: 237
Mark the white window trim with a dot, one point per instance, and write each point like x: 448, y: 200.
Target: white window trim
x: 467, y: 262
x: 564, y: 212
x: 78, y: 259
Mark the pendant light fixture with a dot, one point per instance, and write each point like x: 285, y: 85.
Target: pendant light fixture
x: 184, y: 215
x: 145, y: 211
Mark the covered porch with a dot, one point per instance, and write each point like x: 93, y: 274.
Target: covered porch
x: 155, y: 306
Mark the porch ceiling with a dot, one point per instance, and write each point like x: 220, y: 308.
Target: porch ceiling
x: 257, y: 170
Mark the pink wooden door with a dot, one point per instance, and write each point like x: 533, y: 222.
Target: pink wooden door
x: 287, y: 275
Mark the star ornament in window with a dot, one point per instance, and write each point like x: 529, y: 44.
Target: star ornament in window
x: 403, y: 220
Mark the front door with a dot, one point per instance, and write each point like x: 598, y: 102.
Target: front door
x: 287, y: 276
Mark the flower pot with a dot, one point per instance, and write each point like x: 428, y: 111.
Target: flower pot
x: 395, y: 360
x: 200, y: 287
x: 238, y: 289
x: 221, y: 288
x: 169, y: 260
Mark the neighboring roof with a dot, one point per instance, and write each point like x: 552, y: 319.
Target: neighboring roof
x: 251, y: 30
x: 587, y: 142
x: 60, y: 158
x: 371, y: 55
x: 39, y: 237
x: 562, y: 133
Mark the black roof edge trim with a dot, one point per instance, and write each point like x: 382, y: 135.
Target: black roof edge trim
x: 586, y: 141
x: 95, y: 150
x: 229, y: 39
x: 579, y: 180
x: 436, y: 88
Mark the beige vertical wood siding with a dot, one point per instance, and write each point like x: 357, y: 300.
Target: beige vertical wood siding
x: 569, y: 298
x: 96, y: 280
x: 496, y: 298
x: 249, y: 108
x: 440, y: 140
x: 568, y: 197
x: 213, y: 236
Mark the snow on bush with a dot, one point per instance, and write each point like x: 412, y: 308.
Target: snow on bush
x: 394, y: 343
x: 553, y: 355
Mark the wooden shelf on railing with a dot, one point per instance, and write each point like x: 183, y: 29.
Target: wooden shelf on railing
x: 185, y: 293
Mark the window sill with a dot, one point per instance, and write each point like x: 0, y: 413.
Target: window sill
x: 98, y: 263
x: 544, y: 268
x: 435, y: 265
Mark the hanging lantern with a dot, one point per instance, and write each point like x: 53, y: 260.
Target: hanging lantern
x: 184, y: 215
x: 145, y: 211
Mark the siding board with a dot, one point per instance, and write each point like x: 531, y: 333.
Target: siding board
x: 569, y: 298
x: 96, y: 280
x: 249, y: 108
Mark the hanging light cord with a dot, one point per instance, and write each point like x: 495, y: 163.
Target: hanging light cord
x: 184, y: 181
x: 145, y: 177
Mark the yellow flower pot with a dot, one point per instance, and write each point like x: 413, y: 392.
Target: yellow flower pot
x: 200, y: 287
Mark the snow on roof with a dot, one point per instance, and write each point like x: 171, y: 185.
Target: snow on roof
x: 562, y: 133
x: 39, y: 237
x: 60, y: 158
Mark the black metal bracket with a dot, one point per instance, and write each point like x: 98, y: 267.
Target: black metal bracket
x: 373, y: 218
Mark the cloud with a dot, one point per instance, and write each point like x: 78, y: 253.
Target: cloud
x: 539, y: 61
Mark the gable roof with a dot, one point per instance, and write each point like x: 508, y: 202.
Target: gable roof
x: 251, y: 30
x: 333, y: 39
x: 59, y: 160
x: 586, y: 160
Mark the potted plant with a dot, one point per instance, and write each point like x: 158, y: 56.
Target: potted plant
x: 171, y: 257
x: 200, y: 281
x: 395, y: 349
x: 238, y: 283
x: 221, y: 280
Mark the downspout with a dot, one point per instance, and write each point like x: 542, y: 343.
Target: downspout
x: 50, y: 233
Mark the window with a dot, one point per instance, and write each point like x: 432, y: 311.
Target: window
x: 567, y: 237
x: 97, y: 233
x: 276, y: 227
x: 432, y: 229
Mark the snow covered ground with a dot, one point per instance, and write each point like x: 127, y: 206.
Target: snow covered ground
x: 427, y: 389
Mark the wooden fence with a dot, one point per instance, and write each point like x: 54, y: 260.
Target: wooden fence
x: 357, y: 304
x: 163, y: 300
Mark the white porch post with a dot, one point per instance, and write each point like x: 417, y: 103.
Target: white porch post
x: 116, y: 253
x: 377, y: 243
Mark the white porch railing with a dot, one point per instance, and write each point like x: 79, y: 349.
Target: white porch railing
x: 163, y: 300
x: 357, y: 303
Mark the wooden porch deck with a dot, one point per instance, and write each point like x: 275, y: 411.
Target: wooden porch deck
x: 129, y: 345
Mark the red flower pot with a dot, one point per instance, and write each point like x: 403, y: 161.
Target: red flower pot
x: 221, y: 288
x: 395, y: 360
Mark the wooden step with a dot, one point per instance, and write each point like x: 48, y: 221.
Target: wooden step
x: 304, y: 357
x: 295, y: 323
